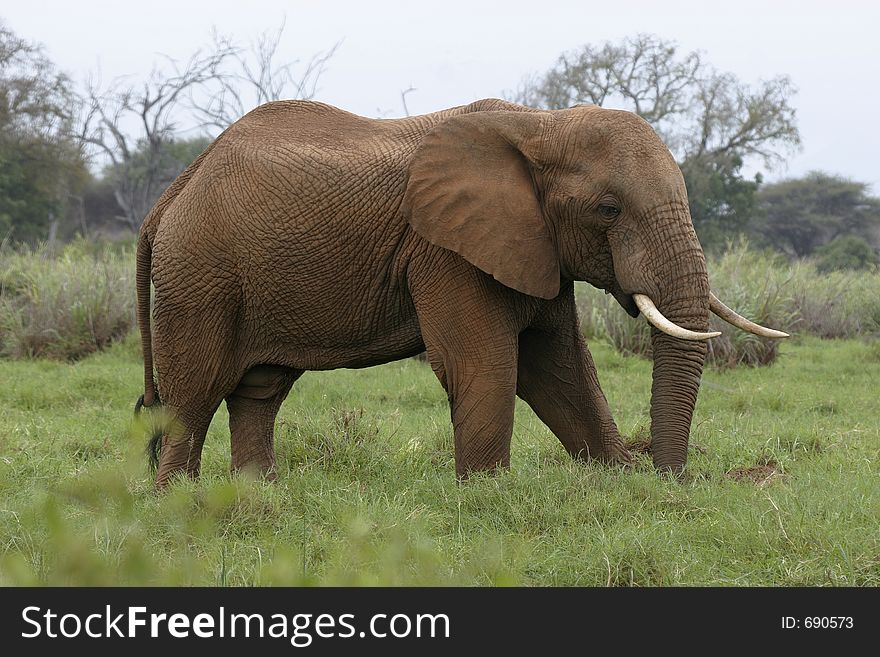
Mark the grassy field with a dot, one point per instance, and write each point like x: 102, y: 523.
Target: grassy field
x: 782, y: 485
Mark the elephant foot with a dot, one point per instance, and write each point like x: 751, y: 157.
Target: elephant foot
x: 178, y: 458
x: 616, y: 453
x: 165, y: 479
x: 487, y: 470
x: 253, y: 457
x: 256, y: 471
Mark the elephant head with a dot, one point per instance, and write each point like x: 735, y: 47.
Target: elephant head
x: 535, y: 198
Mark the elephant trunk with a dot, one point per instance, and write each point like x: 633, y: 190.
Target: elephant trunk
x: 678, y: 366
x: 678, y: 363
x: 664, y: 269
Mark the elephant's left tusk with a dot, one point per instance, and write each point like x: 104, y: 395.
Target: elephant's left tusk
x: 741, y: 322
x: 656, y: 318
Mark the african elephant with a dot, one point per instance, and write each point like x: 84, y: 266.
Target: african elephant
x: 308, y: 238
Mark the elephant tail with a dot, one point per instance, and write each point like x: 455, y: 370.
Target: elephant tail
x: 150, y: 396
x: 144, y: 261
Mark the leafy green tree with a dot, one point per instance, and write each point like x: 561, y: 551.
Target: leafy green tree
x: 712, y: 122
x: 801, y: 214
x: 722, y: 201
x: 41, y: 168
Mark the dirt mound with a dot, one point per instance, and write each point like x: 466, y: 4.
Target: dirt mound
x: 760, y: 475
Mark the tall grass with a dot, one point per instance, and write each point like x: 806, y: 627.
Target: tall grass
x: 80, y: 300
x: 66, y: 305
x: 838, y: 304
x: 766, y: 288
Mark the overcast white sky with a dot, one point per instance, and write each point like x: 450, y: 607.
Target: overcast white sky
x: 455, y: 51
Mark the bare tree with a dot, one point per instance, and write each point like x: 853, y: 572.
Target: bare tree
x: 736, y: 119
x: 132, y: 126
x: 695, y: 108
x: 385, y: 113
x: 256, y: 78
x: 129, y: 124
x: 640, y: 72
x: 34, y: 97
x: 403, y: 95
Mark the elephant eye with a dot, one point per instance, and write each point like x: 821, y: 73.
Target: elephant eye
x: 609, y: 211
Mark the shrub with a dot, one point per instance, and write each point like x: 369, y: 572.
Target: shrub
x: 847, y: 252
x: 747, y: 281
x: 607, y: 321
x: 65, y: 306
x: 79, y: 301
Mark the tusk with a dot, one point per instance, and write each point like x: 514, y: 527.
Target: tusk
x: 741, y: 322
x: 656, y: 318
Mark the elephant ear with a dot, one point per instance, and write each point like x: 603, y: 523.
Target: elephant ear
x: 471, y: 191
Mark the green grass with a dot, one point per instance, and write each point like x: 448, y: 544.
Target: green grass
x: 781, y: 487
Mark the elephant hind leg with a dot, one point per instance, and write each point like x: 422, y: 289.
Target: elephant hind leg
x: 193, y: 390
x: 196, y: 324
x: 181, y: 446
x: 252, y: 408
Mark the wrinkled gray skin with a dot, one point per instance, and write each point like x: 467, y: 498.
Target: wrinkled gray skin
x: 308, y: 238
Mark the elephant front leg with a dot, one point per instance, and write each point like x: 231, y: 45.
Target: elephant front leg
x: 478, y: 370
x: 469, y: 324
x: 482, y: 404
x: 557, y: 378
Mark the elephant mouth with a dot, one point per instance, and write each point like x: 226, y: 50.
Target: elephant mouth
x: 625, y: 300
